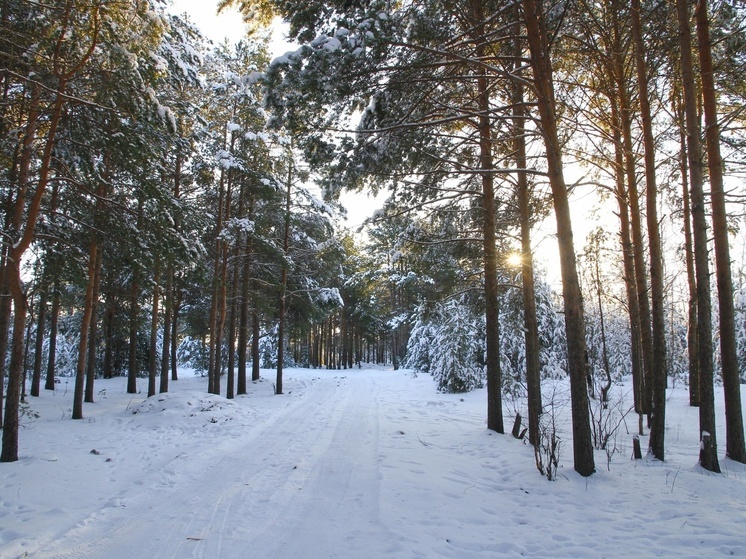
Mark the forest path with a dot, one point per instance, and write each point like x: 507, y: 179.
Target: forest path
x: 356, y: 464
x: 309, y: 473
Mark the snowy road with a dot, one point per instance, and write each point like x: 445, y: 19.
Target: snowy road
x: 359, y: 464
x: 303, y: 484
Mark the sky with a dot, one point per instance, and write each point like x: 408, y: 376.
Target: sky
x: 204, y: 14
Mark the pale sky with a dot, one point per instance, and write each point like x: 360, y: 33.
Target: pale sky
x: 203, y: 14
x: 228, y: 24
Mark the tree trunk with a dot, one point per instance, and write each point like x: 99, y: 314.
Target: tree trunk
x: 574, y: 318
x: 708, y: 458
x: 108, y: 328
x: 53, y: 328
x: 243, y: 320
x: 175, y: 330
x: 168, y: 307
x: 486, y: 166
x: 91, y: 363
x: 52, y: 267
x: 5, y: 314
x: 638, y: 370
x: 530, y: 323
x: 691, y: 333
x: 255, y: 332
x: 133, y: 324
x: 153, y: 353
x: 80, y: 371
x: 638, y: 255
x: 233, y: 317
x: 658, y: 411
x: 39, y: 345
x: 13, y: 393
x: 735, y: 447
x: 212, y: 368
x: 25, y: 235
x: 283, y: 285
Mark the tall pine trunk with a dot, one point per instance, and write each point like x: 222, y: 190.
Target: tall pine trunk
x: 708, y: 458
x: 6, y: 303
x: 53, y: 329
x: 153, y: 353
x: 735, y: 447
x: 133, y: 328
x: 638, y: 253
x: 530, y: 322
x: 168, y: 307
x: 88, y: 305
x: 633, y: 306
x: 255, y: 333
x: 15, y: 376
x: 245, y: 304
x: 92, y: 332
x: 577, y: 355
x: 175, y: 329
x: 282, y: 306
x: 659, y: 371
x: 691, y: 332
x: 487, y: 167
x: 232, y: 320
x: 39, y: 345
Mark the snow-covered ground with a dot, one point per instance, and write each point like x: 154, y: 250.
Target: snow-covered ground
x: 368, y: 463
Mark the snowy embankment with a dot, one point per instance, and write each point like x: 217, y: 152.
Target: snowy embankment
x: 351, y: 464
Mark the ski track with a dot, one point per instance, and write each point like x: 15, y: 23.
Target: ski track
x: 307, y: 472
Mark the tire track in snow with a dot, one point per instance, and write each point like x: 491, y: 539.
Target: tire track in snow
x: 310, y: 468
x: 336, y: 511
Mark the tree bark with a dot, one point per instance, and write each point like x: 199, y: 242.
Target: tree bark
x: 283, y: 285
x: 708, y: 458
x: 691, y: 333
x: 243, y: 326
x: 577, y: 355
x: 659, y: 376
x: 133, y: 327
x: 735, y: 447
x: 13, y: 393
x: 84, y: 337
x: 230, y: 388
x: 638, y: 255
x: 53, y: 329
x: 91, y: 361
x: 486, y: 167
x: 638, y: 369
x: 153, y: 353
x: 39, y: 345
x: 5, y: 315
x: 168, y: 307
x: 108, y: 328
x: 255, y: 333
x: 530, y: 323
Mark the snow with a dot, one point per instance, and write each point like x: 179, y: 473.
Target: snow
x: 286, y: 58
x: 361, y: 463
x: 332, y: 43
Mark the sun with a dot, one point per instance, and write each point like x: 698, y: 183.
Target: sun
x: 514, y: 259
